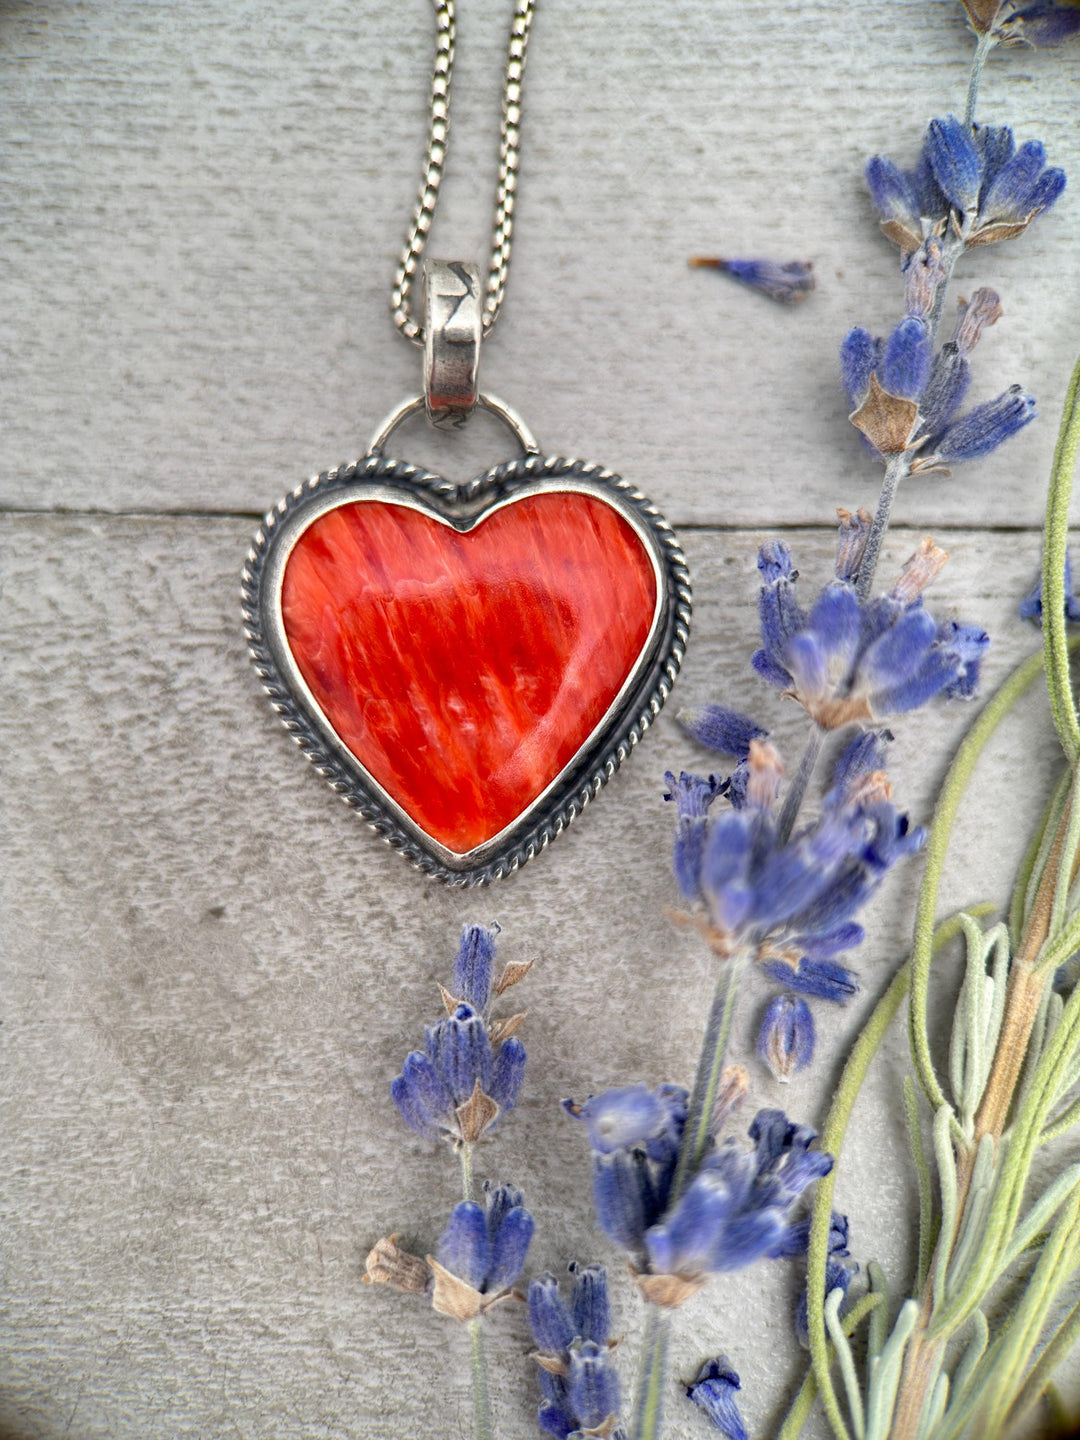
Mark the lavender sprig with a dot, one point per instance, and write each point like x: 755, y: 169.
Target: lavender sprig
x: 578, y: 1381
x: 850, y: 661
x: 1015, y: 1050
x: 471, y: 1069
x: 682, y: 1219
x: 467, y: 1077
x: 972, y: 186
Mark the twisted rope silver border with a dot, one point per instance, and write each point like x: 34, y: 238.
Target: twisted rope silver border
x: 594, y: 765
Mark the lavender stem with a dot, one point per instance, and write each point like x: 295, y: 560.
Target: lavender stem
x: 982, y: 50
x: 465, y: 1156
x: 895, y: 471
x: 709, y: 1069
x: 796, y: 794
x: 649, y: 1402
x: 481, y: 1403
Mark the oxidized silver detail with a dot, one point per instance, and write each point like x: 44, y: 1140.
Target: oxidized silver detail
x: 464, y: 506
x: 491, y: 403
x: 452, y: 335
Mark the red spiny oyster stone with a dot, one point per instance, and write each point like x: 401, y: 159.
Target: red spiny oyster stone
x: 464, y: 671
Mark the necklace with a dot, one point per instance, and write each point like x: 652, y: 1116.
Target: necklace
x: 465, y: 663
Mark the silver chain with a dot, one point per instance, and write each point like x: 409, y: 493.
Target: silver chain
x: 505, y: 192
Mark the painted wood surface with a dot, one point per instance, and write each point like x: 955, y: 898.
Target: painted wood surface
x: 206, y: 205
x: 211, y: 969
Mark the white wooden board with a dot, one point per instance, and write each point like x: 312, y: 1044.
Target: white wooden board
x: 204, y: 209
x: 211, y: 970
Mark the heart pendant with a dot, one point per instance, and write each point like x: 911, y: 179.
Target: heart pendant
x: 466, y: 664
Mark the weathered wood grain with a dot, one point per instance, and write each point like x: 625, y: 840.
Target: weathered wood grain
x: 212, y: 971
x: 203, y: 209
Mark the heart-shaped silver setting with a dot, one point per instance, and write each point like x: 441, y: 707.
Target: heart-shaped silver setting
x: 464, y: 506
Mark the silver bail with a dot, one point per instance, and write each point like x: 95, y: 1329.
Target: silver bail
x: 453, y: 329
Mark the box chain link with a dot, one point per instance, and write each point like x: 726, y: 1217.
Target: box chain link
x: 505, y: 193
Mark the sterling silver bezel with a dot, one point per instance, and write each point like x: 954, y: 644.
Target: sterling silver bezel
x: 464, y: 506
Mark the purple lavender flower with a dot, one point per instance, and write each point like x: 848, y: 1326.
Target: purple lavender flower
x: 786, y: 1038
x: 589, y: 1303
x: 1019, y: 187
x: 909, y: 202
x: 578, y: 1381
x: 797, y: 1239
x: 1046, y: 23
x: 713, y: 1391
x: 729, y: 733
x: 631, y: 1115
x: 788, y: 282
x: 853, y: 660
x: 778, y: 610
x: 982, y: 430
x: 634, y: 1135
x: 472, y: 1067
x: 1027, y: 22
x: 950, y: 377
x: 481, y: 1253
x: 955, y: 160
x: 474, y: 968
x: 550, y: 1319
x: 821, y: 979
x: 906, y: 357
x: 795, y: 901
x: 905, y: 398
x: 968, y: 643
x: 973, y: 172
x: 840, y: 1269
x: 458, y: 1067
x: 592, y: 1386
x: 692, y: 794
x: 717, y: 728
x: 1031, y: 607
x: 737, y: 1207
